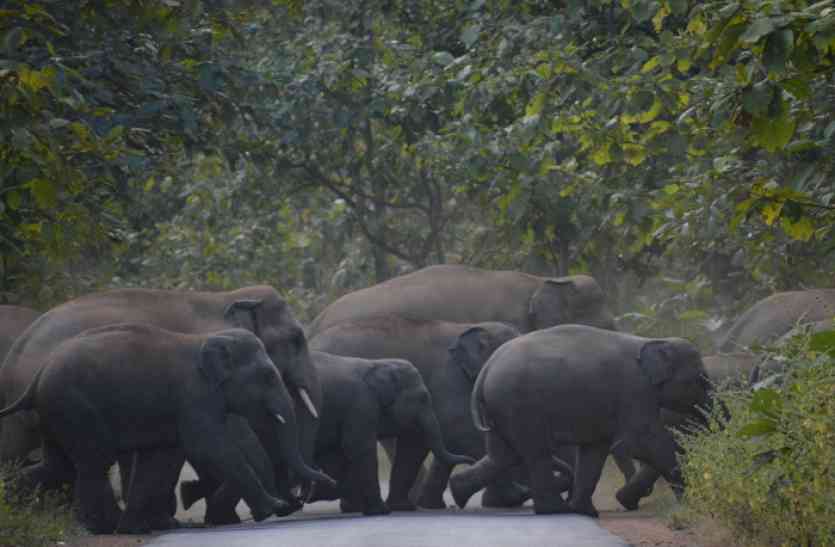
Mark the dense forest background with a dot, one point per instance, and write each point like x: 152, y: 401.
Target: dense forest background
x: 680, y: 151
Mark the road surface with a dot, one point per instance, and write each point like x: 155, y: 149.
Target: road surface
x: 322, y: 525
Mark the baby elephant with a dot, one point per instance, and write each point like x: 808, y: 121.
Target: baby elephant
x: 583, y: 386
x: 136, y: 388
x: 365, y: 400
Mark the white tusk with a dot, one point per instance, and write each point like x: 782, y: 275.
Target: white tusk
x: 306, y: 398
x: 280, y: 418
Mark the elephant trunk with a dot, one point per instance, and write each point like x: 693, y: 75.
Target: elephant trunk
x: 287, y: 434
x: 432, y: 432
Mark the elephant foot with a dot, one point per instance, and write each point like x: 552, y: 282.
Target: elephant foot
x: 348, y: 506
x: 629, y: 502
x: 401, y: 505
x: 284, y: 507
x: 431, y: 502
x: 584, y: 507
x: 221, y: 516
x: 505, y: 496
x: 462, y: 489
x: 102, y: 523
x: 377, y: 509
x: 551, y: 507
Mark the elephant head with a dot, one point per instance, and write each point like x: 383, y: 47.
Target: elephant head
x: 675, y: 369
x: 474, y: 346
x: 273, y: 322
x: 235, y: 363
x: 407, y: 404
x: 572, y: 299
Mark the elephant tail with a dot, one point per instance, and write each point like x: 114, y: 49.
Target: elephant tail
x: 26, y: 401
x: 478, y: 410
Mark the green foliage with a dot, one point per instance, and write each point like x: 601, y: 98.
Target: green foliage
x: 36, y: 520
x: 767, y: 471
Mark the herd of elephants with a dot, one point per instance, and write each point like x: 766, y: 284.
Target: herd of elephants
x: 524, y: 379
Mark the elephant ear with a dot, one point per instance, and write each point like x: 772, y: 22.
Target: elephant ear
x: 382, y: 378
x: 234, y: 312
x: 548, y: 305
x: 656, y: 360
x: 467, y: 352
x: 215, y: 361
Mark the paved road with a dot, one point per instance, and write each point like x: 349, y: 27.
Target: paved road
x: 422, y: 529
x: 322, y: 525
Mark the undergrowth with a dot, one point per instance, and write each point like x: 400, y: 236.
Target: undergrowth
x: 33, y: 520
x: 764, y: 466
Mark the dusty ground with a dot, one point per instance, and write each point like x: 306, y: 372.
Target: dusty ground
x: 645, y: 527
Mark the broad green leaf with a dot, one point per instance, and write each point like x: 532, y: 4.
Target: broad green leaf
x: 757, y: 98
x: 671, y: 189
x: 768, y: 402
x: 757, y: 428
x: 535, y: 106
x: 649, y: 65
x: 44, y: 192
x: 14, y: 200
x: 470, y: 35
x: 443, y: 58
x: 771, y: 211
x: 601, y: 155
x: 778, y: 49
x: 773, y: 134
x: 634, y: 154
x: 660, y: 15
x: 823, y: 342
x: 757, y: 29
x: 800, y: 230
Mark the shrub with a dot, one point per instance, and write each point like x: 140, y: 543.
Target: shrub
x: 766, y: 468
x: 33, y: 520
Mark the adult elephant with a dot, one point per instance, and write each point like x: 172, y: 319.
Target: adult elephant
x: 257, y: 308
x: 772, y: 317
x: 136, y: 388
x: 463, y: 294
x: 13, y: 321
x: 448, y: 356
x: 581, y: 386
x: 363, y: 400
x: 725, y: 370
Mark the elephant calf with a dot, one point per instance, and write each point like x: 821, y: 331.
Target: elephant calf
x: 136, y: 388
x: 366, y: 400
x: 583, y: 386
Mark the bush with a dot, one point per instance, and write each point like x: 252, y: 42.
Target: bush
x: 33, y: 520
x: 766, y: 467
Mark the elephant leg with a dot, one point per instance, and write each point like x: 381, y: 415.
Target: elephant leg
x: 500, y: 456
x: 657, y: 448
x: 509, y: 490
x: 95, y: 504
x: 332, y: 463
x: 411, y: 451
x: 220, y: 510
x: 639, y: 486
x: 587, y: 470
x: 17, y: 440
x: 151, y: 486
x: 432, y: 490
x: 623, y: 459
x: 545, y: 489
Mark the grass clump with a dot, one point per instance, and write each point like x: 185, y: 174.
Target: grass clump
x: 764, y: 466
x: 33, y: 520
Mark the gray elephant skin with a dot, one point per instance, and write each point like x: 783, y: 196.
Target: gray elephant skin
x: 136, y: 388
x: 581, y: 386
x: 13, y: 321
x: 448, y: 357
x: 772, y: 317
x: 725, y: 370
x: 258, y: 308
x: 366, y: 400
x: 463, y: 294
